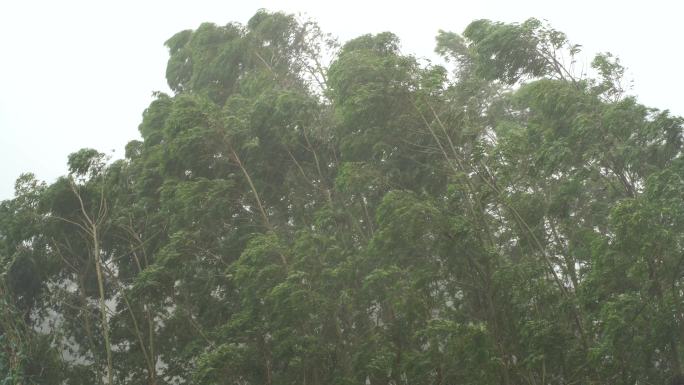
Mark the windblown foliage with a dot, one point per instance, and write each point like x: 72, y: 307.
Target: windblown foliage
x: 299, y: 212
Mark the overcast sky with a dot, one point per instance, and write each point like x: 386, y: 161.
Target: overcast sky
x: 77, y: 74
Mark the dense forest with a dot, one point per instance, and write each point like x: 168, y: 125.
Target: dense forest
x: 300, y: 211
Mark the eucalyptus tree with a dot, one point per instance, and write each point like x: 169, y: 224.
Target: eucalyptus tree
x: 303, y: 212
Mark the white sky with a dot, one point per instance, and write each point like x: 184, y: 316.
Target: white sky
x: 77, y: 74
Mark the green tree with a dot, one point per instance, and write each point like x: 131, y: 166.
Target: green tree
x: 299, y: 212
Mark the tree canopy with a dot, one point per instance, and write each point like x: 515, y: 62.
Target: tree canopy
x: 304, y: 212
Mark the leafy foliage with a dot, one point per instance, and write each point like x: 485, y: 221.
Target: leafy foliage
x: 299, y: 212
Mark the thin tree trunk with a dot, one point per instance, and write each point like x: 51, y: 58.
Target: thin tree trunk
x: 103, y: 304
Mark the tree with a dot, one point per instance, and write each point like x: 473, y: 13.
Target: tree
x: 303, y: 212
